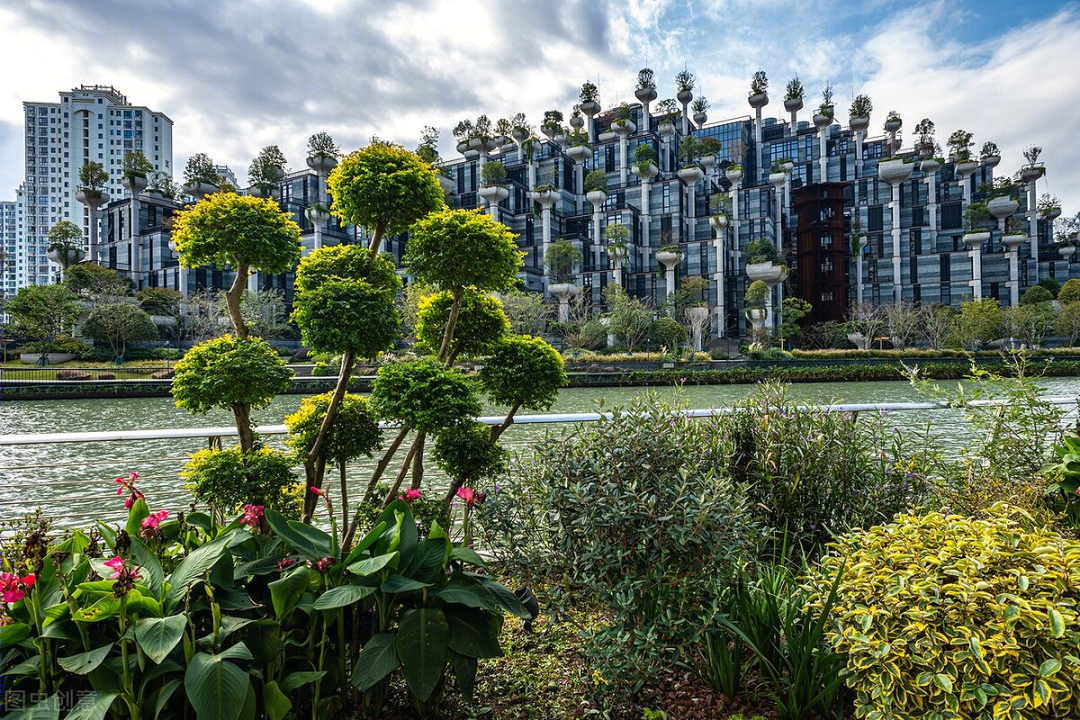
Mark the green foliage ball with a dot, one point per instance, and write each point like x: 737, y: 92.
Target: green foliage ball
x: 957, y: 617
x: 229, y: 479
x: 354, y: 433
x: 1036, y: 294
x: 481, y: 323
x: 225, y: 371
x: 353, y: 262
x: 384, y: 187
x: 455, y: 249
x: 346, y: 314
x: 1069, y: 292
x: 424, y: 395
x: 467, y: 453
x: 230, y: 229
x: 524, y: 370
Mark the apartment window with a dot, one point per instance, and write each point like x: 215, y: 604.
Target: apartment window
x: 950, y: 216
x: 875, y: 219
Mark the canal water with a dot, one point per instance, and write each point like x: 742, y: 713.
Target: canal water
x: 73, y: 483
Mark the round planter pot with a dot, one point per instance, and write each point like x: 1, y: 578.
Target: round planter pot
x: 858, y: 124
x: 607, y: 136
x: 51, y: 358
x: 623, y: 127
x: 1012, y: 242
x: 134, y: 183
x: 71, y: 257
x: 719, y: 222
x: 462, y: 146
x: 476, y: 143
x: 975, y: 240
x: 579, y: 153
x: 793, y: 105
x: 92, y: 198
x: 199, y: 190
x: 700, y: 118
x: 863, y: 242
x: 822, y: 121
x: 596, y: 197
x: 172, y: 246
x: 316, y: 216
x: 447, y: 184
x: 1032, y: 172
x: 756, y: 316
x: 691, y: 175
x: 546, y: 197
x: 768, y: 272
x: 758, y: 101
x: 895, y: 171
x: 1052, y: 214
x: 668, y: 257
x: 684, y: 96
x: 1066, y: 251
x: 1001, y: 207
x: 590, y: 108
x: 563, y: 289
x: 966, y: 167
x: 494, y: 194
x: 892, y: 126
x: 577, y: 122
x: 777, y: 178
x: 929, y: 166
x: 734, y: 175
x: 645, y: 95
x: 322, y: 164
x: 520, y: 135
x: 666, y: 128
x: 991, y: 161
x: 649, y: 175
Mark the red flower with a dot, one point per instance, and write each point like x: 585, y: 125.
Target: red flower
x: 13, y: 587
x: 252, y: 515
x: 470, y: 496
x: 151, y: 522
x: 316, y: 491
x: 284, y: 563
x: 410, y: 495
x: 324, y: 564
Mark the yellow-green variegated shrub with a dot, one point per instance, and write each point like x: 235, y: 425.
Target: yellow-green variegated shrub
x: 946, y: 617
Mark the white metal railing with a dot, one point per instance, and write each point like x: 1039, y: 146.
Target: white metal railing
x: 549, y: 418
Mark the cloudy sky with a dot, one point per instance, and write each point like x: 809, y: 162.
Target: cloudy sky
x: 235, y: 76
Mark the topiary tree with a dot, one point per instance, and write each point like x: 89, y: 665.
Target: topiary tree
x: 522, y: 372
x: 481, y: 323
x: 117, y: 324
x: 344, y: 304
x: 43, y: 312
x: 267, y: 170
x: 245, y: 232
x: 230, y: 373
x: 353, y: 433
x: 456, y: 249
x: 385, y: 189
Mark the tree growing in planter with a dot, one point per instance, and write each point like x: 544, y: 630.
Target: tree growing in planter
x: 589, y: 92
x: 385, y: 189
x: 65, y: 239
x: 596, y: 181
x: 493, y: 173
x: 759, y: 84
x: 200, y: 169
x: 136, y: 166
x: 344, y: 304
x: 92, y: 177
x: 118, y: 324
x: 561, y: 258
x: 960, y: 144
x: 43, y: 312
x: 267, y: 170
x: 163, y: 184
x: 231, y: 373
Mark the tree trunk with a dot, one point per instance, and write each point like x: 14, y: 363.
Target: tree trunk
x: 242, y: 415
x: 418, y: 461
x: 376, y: 237
x: 232, y: 299
x: 451, y: 323
x: 392, y: 493
x: 313, y: 467
x: 344, y: 496
x: 498, y: 430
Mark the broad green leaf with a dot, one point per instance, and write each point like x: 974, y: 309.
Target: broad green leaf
x: 239, y: 651
x: 310, y: 542
x: 85, y: 662
x: 1049, y: 667
x: 464, y: 672
x: 378, y: 658
x: 151, y: 570
x: 94, y: 706
x: 103, y: 609
x: 506, y: 599
x: 944, y: 682
x: 47, y: 709
x: 467, y: 592
x: 428, y: 562
x: 421, y: 645
x: 286, y: 591
x: 297, y: 680
x: 196, y: 564
x: 158, y: 636
x: 468, y: 555
x: 13, y: 634
x: 277, y: 704
x: 401, y: 584
x: 473, y: 633
x: 216, y: 688
x: 370, y: 566
x: 365, y: 543
x: 1057, y: 623
x: 342, y: 596
x: 139, y: 511
x: 164, y: 694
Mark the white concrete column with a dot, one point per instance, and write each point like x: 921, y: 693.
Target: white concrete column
x: 720, y: 224
x: 1033, y: 228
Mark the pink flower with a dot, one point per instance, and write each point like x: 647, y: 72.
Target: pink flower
x: 13, y: 588
x: 470, y: 496
x: 117, y: 564
x: 135, y: 495
x: 151, y: 522
x: 252, y: 515
x: 284, y: 563
x: 324, y: 564
x: 29, y: 580
x: 410, y: 495
x: 316, y: 491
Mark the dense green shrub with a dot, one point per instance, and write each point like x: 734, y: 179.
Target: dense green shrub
x: 353, y: 433
x: 228, y: 479
x: 946, y: 616
x: 637, y: 513
x: 480, y: 324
